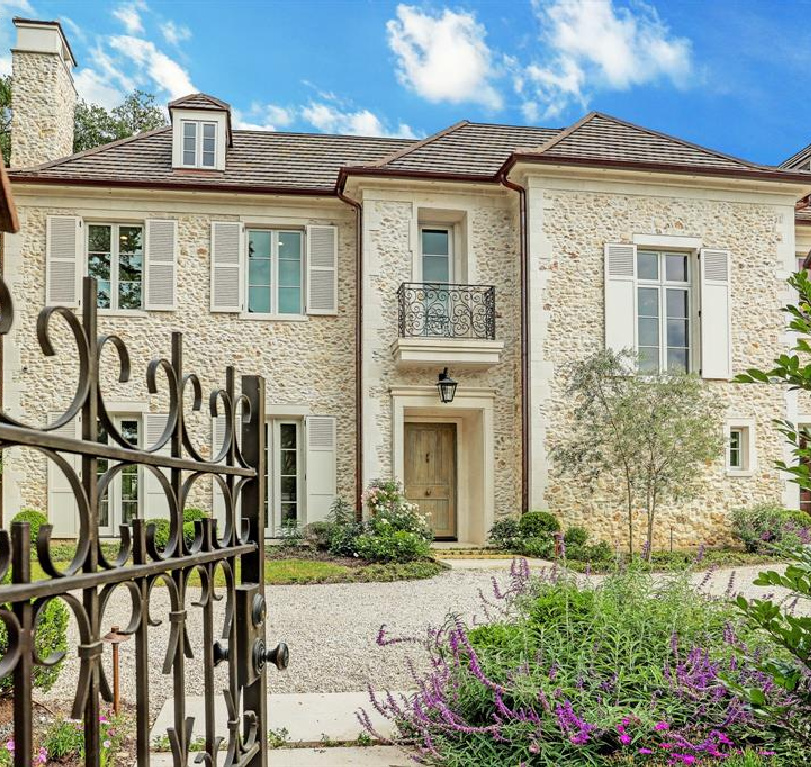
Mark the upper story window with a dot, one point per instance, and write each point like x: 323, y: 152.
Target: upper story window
x: 275, y: 271
x: 437, y: 254
x: 663, y: 311
x: 199, y: 144
x: 115, y: 257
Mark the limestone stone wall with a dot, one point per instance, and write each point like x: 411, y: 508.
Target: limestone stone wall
x: 309, y: 362
x: 575, y: 225
x: 42, y: 102
x: 492, y: 247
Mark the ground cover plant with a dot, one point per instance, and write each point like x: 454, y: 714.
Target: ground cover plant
x: 636, y: 670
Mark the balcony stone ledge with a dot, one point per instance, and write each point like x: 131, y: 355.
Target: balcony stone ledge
x: 433, y: 351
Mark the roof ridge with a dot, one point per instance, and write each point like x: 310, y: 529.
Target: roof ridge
x: 418, y: 145
x: 261, y: 132
x: 566, y: 132
x: 676, y: 139
x: 801, y: 154
x: 219, y: 102
x: 93, y: 150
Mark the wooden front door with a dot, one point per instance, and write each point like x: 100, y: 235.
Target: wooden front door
x: 430, y: 473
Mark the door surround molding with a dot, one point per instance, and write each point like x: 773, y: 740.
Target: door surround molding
x: 473, y: 411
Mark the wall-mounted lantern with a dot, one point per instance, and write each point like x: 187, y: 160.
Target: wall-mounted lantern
x: 447, y: 387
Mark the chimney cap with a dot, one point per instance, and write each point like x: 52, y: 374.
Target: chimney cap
x: 19, y: 21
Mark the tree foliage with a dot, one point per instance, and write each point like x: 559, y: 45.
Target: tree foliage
x: 653, y: 432
x: 788, y: 630
x: 5, y: 118
x: 93, y: 125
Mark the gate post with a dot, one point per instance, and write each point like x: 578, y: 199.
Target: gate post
x: 253, y: 564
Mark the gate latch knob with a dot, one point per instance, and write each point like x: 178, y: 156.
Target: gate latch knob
x: 279, y: 656
x: 220, y: 653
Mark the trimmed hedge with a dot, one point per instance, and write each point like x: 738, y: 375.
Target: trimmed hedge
x: 34, y: 517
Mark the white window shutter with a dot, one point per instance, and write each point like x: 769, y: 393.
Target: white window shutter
x: 63, y: 260
x: 160, y: 265
x: 320, y: 466
x: 322, y: 269
x: 217, y: 499
x: 63, y: 511
x: 716, y: 335
x: 226, y: 266
x: 154, y: 504
x: 620, y: 296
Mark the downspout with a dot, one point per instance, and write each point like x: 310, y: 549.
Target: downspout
x: 358, y: 348
x: 524, y: 250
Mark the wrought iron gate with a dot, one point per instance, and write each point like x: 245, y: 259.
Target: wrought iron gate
x: 90, y: 579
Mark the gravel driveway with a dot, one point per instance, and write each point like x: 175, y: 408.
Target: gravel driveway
x: 331, y: 630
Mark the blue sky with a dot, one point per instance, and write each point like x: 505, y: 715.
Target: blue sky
x: 728, y: 74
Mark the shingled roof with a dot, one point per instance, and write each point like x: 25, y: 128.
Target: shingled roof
x: 199, y: 101
x: 799, y: 161
x: 602, y: 140
x: 257, y: 161
x: 314, y: 163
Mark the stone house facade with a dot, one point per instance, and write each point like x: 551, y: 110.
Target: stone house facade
x: 351, y: 271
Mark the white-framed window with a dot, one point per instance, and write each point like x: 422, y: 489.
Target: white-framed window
x: 275, y: 271
x: 436, y: 248
x: 740, y: 447
x: 284, y: 487
x: 115, y: 257
x: 122, y: 502
x: 199, y: 148
x: 664, y: 305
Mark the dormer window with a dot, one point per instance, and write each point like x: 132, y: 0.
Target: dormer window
x: 201, y: 133
x: 199, y: 144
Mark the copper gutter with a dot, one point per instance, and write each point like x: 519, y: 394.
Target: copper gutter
x: 525, y: 414
x: 358, y: 348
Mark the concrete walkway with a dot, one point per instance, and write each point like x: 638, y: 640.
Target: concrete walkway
x: 358, y: 756
x: 309, y: 719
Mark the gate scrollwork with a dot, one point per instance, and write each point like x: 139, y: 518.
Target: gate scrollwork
x: 88, y: 582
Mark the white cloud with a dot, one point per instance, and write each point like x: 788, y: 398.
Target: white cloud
x: 328, y: 119
x: 594, y: 45
x: 128, y: 14
x: 264, y: 117
x: 94, y: 89
x: 154, y: 65
x: 443, y: 57
x: 175, y: 33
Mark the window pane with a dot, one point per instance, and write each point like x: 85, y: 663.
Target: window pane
x: 101, y: 467
x: 209, y: 131
x: 259, y: 300
x: 289, y: 513
x: 189, y: 157
x: 98, y: 266
x: 648, y: 359
x: 259, y: 271
x: 290, y: 245
x: 287, y: 488
x: 288, y: 462
x: 648, y: 330
x: 648, y: 300
x: 259, y: 243
x: 647, y: 265
x: 98, y: 238
x: 435, y: 269
x: 130, y: 277
x: 678, y: 332
x: 677, y: 361
x: 189, y: 130
x: 435, y: 242
x: 287, y: 435
x: 289, y: 300
x: 678, y: 303
x: 208, y: 159
x: 289, y: 273
x: 675, y: 268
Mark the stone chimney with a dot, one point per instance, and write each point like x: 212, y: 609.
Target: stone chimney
x: 43, y: 96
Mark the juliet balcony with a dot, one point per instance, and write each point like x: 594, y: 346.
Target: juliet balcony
x: 440, y: 324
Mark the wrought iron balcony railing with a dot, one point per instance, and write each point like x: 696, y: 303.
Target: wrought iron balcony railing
x: 435, y: 310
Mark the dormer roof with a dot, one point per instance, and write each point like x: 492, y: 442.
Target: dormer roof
x: 203, y: 102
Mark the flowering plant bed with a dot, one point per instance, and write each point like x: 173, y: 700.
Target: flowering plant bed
x: 636, y: 670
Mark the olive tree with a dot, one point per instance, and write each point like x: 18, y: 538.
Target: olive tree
x: 653, y: 433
